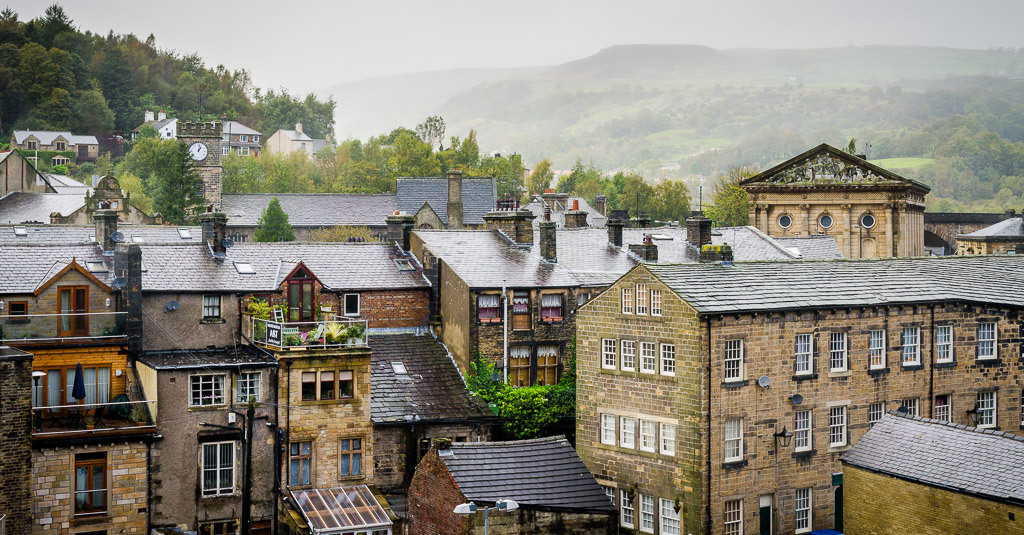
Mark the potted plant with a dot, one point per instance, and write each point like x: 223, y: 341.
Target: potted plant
x: 334, y: 333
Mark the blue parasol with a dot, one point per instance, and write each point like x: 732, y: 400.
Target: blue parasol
x: 78, y: 392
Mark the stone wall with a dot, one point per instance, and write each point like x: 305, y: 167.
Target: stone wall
x: 167, y: 330
x: 876, y: 504
x: 53, y: 480
x: 948, y: 225
x: 16, y: 439
x: 532, y: 522
x: 396, y: 449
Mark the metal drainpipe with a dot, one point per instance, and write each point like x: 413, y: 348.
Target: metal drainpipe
x: 707, y: 438
x: 504, y: 332
x: 931, y: 365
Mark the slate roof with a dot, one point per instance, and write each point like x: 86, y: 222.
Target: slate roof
x: 48, y: 235
x: 339, y: 266
x: 1012, y: 228
x: 820, y: 247
x: 47, y: 137
x: 543, y: 473
x: 432, y: 390
x: 207, y: 358
x: 295, y: 135
x: 594, y: 218
x: 66, y: 185
x: 964, y: 459
x: 479, y: 196
x: 26, y: 267
x: 235, y: 127
x: 772, y: 286
x: 24, y: 207
x: 311, y: 209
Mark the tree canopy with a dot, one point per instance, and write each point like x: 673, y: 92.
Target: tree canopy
x: 273, y: 224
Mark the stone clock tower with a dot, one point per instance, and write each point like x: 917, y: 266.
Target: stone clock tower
x: 203, y: 142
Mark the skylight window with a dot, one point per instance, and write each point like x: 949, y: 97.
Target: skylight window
x: 185, y: 234
x: 96, y: 267
x: 20, y: 231
x: 244, y: 268
x: 404, y: 265
x: 661, y: 237
x: 399, y: 368
x: 137, y: 239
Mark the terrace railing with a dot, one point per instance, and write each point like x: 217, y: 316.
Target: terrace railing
x: 28, y: 328
x: 91, y: 418
x: 322, y: 334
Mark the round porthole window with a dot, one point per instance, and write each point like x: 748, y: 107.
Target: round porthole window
x: 867, y: 220
x: 785, y: 221
x: 825, y: 221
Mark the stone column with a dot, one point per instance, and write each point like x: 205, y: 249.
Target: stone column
x: 850, y: 249
x: 807, y: 218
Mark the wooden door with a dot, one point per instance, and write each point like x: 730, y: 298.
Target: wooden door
x: 74, y: 307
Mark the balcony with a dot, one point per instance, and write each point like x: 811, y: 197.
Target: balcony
x: 285, y: 336
x: 121, y: 417
x: 48, y: 328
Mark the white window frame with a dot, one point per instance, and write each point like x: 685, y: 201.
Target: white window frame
x: 733, y: 440
x: 669, y: 518
x: 248, y: 386
x: 243, y: 138
x: 225, y: 150
x: 609, y: 356
x: 610, y: 493
x: 627, y: 300
x: 647, y: 513
x: 359, y: 305
x: 667, y: 439
x: 735, y: 526
x: 626, y: 511
x: 641, y: 299
x: 217, y: 468
x: 839, y: 360
x: 627, y: 432
x: 838, y: 435
x: 943, y: 413
x: 988, y: 416
x: 911, y: 353
x: 808, y: 355
x: 668, y: 360
x: 876, y: 349
x: 608, y: 433
x: 875, y: 412
x: 211, y: 306
x: 648, y: 436
x: 988, y: 347
x: 913, y: 406
x: 803, y: 437
x: 215, y: 382
x: 943, y: 344
x: 648, y: 357
x: 802, y: 506
x: 655, y: 302
x: 732, y: 364
x: 627, y: 359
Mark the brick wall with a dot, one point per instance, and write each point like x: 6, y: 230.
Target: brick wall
x: 53, y: 480
x: 875, y: 504
x: 395, y: 308
x: 16, y: 441
x: 432, y: 497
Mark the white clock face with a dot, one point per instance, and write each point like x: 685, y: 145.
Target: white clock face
x: 197, y: 151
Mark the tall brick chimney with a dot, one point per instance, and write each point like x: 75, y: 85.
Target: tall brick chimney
x: 548, y: 243
x: 215, y: 229
x: 106, y: 224
x: 400, y: 227
x: 455, y: 198
x: 515, y: 223
x: 698, y: 231
x: 601, y: 203
x: 16, y: 417
x: 615, y: 232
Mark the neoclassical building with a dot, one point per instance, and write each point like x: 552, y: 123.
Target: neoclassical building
x: 871, y: 212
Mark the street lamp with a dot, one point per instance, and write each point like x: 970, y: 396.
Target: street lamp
x: 500, y: 505
x: 782, y: 438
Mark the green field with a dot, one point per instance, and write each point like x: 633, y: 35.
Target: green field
x: 903, y: 163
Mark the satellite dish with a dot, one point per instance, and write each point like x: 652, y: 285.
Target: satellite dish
x: 227, y: 242
x: 119, y: 283
x: 172, y: 305
x: 796, y: 399
x: 495, y: 377
x: 764, y: 381
x: 117, y: 237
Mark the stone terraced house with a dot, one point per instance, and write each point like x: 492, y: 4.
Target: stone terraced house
x: 733, y: 389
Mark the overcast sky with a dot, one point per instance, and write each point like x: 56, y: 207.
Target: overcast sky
x: 310, y: 45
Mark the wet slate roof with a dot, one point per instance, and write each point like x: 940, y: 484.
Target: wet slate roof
x: 25, y: 207
x: 540, y: 473
x: 1007, y: 228
x: 65, y: 184
x: 339, y: 266
x: 811, y: 247
x: 431, y: 390
x: 78, y: 234
x: 206, y: 358
x: 26, y: 267
x: 594, y: 218
x: 984, y: 463
x: 766, y: 286
x: 479, y: 196
x: 311, y: 209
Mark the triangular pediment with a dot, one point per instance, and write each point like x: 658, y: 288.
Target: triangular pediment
x: 826, y: 165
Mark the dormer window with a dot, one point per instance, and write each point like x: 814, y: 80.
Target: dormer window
x: 61, y: 145
x: 244, y: 268
x: 31, y: 145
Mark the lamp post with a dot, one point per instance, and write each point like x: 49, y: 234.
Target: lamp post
x: 500, y: 505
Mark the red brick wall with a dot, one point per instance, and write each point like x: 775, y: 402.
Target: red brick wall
x: 432, y: 497
x: 395, y: 308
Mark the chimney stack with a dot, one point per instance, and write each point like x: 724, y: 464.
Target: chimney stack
x: 698, y: 231
x: 716, y: 253
x: 298, y: 127
x: 106, y: 225
x: 601, y: 203
x: 548, y: 243
x: 643, y: 221
x: 215, y: 229
x: 128, y: 264
x: 575, y: 218
x: 615, y: 232
x: 149, y: 116
x: 515, y: 224
x: 400, y: 229
x: 161, y: 116
x: 454, y: 198
x: 647, y: 251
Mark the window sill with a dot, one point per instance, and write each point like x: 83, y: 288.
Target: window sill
x: 211, y: 321
x: 805, y: 377
x: 730, y: 465
x: 838, y: 449
x: 488, y: 322
x: 804, y: 454
x: 912, y: 367
x: 844, y: 373
x: 878, y: 371
x: 995, y: 361
x: 218, y: 407
x: 735, y: 384
x: 359, y: 477
x: 945, y: 364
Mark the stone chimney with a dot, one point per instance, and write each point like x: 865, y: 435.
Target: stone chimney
x: 716, y: 253
x: 575, y: 218
x: 298, y: 127
x: 128, y: 264
x: 615, y: 232
x: 454, y: 199
x: 400, y: 229
x: 515, y: 223
x: 548, y: 241
x: 698, y: 231
x: 1011, y: 213
x: 161, y: 116
x: 149, y: 116
x: 215, y: 229
x: 601, y: 203
x: 642, y: 221
x: 647, y: 251
x: 106, y: 225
